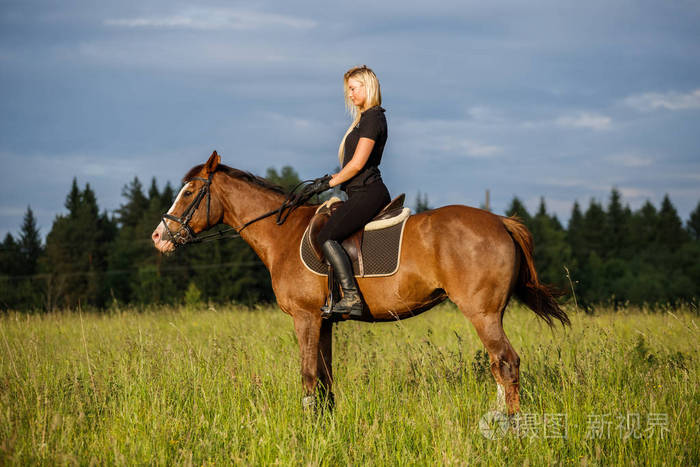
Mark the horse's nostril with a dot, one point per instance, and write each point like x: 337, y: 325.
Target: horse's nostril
x: 155, y: 236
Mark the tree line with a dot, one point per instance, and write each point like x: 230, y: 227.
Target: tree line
x: 608, y: 253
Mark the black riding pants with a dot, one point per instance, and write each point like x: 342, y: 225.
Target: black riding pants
x: 362, y: 205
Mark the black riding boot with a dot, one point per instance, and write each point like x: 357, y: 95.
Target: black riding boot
x: 350, y: 303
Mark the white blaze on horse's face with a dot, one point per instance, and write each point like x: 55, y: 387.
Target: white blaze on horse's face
x: 179, y: 196
x: 160, y: 237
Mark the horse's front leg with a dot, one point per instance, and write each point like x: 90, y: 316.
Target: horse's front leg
x: 308, y: 330
x: 325, y: 364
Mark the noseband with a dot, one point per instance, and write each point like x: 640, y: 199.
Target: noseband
x: 184, y: 234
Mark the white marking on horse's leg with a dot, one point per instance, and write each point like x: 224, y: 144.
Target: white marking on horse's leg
x: 501, y: 397
x: 308, y: 403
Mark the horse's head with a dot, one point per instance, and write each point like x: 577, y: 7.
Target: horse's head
x: 194, y: 209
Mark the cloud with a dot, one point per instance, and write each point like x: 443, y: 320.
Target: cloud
x: 13, y: 211
x: 692, y: 176
x: 483, y: 114
x: 445, y: 137
x: 588, y: 184
x: 630, y: 192
x: 669, y: 101
x: 631, y: 160
x: 468, y: 147
x: 195, y: 54
x: 586, y: 120
x: 212, y: 19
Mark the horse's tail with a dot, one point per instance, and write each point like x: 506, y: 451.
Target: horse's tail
x: 537, y: 296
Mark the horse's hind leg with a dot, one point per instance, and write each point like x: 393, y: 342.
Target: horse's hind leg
x: 505, y: 363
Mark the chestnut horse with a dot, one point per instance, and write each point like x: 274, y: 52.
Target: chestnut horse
x: 476, y: 258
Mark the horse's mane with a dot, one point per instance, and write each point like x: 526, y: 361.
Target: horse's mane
x: 235, y: 173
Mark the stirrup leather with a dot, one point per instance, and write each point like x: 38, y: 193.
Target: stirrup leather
x: 329, y: 308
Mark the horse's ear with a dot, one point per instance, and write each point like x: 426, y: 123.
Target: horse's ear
x: 212, y: 163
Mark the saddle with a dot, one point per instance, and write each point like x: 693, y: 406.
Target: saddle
x: 392, y: 214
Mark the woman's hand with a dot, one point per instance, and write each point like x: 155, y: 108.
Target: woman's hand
x: 358, y: 161
x: 319, y: 185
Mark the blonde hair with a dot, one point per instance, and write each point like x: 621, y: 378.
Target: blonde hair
x: 369, y: 80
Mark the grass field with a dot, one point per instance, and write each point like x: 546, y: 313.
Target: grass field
x: 218, y: 386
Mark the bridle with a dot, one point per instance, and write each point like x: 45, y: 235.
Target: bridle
x: 184, y: 235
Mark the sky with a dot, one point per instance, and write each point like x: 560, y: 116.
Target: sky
x: 556, y: 99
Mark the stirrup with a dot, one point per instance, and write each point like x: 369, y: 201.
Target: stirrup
x: 327, y: 308
x: 330, y: 308
x: 353, y: 309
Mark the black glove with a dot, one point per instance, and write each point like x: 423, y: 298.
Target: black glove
x: 319, y: 185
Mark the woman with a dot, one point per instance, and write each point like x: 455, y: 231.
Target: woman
x: 360, y: 153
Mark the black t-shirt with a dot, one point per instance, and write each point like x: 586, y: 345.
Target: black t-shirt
x: 372, y: 125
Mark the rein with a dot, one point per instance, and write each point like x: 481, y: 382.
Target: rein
x: 184, y: 235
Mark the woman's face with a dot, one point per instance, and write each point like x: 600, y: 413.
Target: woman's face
x: 357, y: 93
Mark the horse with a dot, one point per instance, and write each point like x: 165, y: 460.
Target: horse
x: 475, y: 258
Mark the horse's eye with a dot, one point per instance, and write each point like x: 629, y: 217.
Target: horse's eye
x: 187, y: 193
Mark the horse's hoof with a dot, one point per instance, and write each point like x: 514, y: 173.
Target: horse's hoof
x: 309, y: 404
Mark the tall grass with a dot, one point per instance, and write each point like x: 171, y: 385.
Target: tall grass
x: 217, y: 386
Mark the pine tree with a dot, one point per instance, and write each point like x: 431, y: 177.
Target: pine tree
x: 73, y: 199
x: 556, y: 223
x: 132, y: 248
x: 574, y: 239
x: 670, y: 232
x: 29, y: 243
x: 588, y: 232
x: 573, y: 235
x: 539, y: 222
x: 167, y: 197
x: 693, y: 224
x: 153, y: 190
x: 617, y: 238
x: 10, y: 267
x: 75, y: 252
x: 88, y: 201
x: 517, y: 208
x: 10, y: 257
x: 594, y: 221
x: 644, y: 222
x: 151, y: 280
x: 288, y: 178
x: 129, y: 214
x: 421, y: 203
x: 552, y: 252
